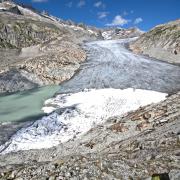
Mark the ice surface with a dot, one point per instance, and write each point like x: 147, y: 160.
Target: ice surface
x: 76, y: 114
x: 111, y: 65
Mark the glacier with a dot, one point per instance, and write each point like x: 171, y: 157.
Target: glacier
x: 72, y: 115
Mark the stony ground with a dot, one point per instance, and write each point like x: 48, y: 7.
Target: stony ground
x: 50, y: 66
x: 137, y: 145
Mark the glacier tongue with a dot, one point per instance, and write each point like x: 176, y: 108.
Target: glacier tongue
x: 72, y: 115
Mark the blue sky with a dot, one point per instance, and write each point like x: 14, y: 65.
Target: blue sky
x: 144, y: 14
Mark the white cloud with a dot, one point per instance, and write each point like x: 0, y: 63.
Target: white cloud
x: 138, y: 20
x: 102, y: 15
x: 39, y: 1
x: 99, y: 4
x: 69, y: 5
x: 81, y: 3
x: 118, y: 21
x: 125, y: 13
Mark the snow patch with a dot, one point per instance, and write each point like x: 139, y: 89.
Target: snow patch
x: 107, y: 35
x: 76, y: 114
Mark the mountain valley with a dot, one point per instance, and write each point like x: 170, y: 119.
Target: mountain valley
x: 81, y: 102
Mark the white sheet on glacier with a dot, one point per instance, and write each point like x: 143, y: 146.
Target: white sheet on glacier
x: 79, y: 113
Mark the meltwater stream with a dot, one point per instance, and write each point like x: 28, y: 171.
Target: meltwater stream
x: 111, y: 82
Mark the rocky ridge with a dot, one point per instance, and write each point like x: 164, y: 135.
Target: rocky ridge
x: 120, y: 33
x: 161, y: 42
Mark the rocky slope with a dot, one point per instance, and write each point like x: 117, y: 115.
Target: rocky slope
x: 162, y: 42
x: 38, y: 49
x: 110, y: 150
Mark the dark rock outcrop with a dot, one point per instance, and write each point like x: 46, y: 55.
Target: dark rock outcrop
x: 15, y: 10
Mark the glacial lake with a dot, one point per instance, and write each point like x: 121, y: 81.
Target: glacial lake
x: 26, y: 105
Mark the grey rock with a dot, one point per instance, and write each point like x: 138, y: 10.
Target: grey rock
x: 174, y: 174
x: 12, y: 81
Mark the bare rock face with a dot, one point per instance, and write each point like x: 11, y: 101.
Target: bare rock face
x: 162, y: 42
x: 17, y: 32
x: 138, y: 145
